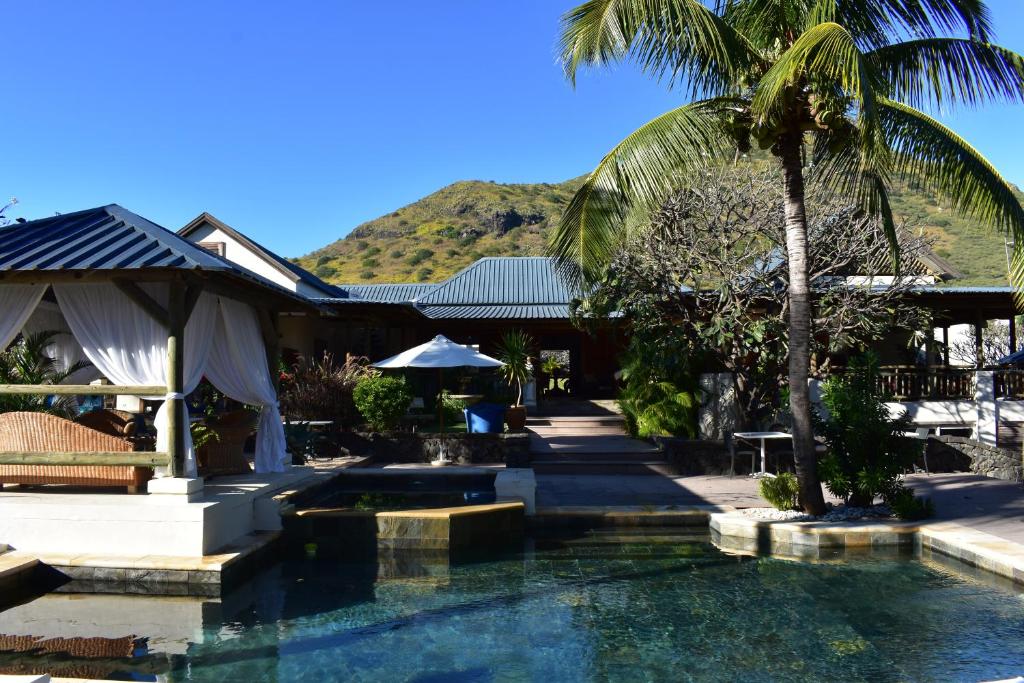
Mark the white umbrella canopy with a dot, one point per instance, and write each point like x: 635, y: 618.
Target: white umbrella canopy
x: 439, y: 352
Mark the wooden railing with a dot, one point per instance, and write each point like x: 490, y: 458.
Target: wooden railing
x: 133, y: 458
x: 914, y: 383
x: 1009, y: 383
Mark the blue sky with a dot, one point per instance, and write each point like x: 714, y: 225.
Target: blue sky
x: 294, y: 122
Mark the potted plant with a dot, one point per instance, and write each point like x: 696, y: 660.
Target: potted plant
x: 514, y: 352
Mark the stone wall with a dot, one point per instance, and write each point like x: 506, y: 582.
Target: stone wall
x: 960, y: 454
x: 464, y: 449
x: 691, y: 457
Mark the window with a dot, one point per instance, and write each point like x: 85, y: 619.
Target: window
x: 217, y: 248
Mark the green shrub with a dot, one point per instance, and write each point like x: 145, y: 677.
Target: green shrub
x: 907, y: 506
x: 397, y: 254
x: 867, y: 451
x: 452, y: 408
x: 382, y: 401
x: 419, y: 256
x: 423, y: 274
x: 781, y: 491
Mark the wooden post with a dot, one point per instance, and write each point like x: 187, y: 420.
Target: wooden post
x: 271, y: 343
x: 175, y: 377
x: 979, y: 348
x: 945, y: 345
x: 1013, y: 334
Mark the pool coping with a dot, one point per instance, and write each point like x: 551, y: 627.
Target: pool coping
x: 735, y: 531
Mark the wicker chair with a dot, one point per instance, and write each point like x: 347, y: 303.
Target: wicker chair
x: 226, y: 455
x: 42, y: 432
x: 114, y: 422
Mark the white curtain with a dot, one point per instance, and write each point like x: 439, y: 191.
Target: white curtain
x: 129, y: 347
x: 16, y: 305
x: 63, y: 348
x: 238, y: 367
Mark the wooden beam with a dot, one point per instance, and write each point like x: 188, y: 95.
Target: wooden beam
x: 175, y: 378
x: 82, y: 389
x: 143, y: 300
x: 132, y: 458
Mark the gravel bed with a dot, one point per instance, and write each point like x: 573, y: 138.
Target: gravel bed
x: 839, y: 513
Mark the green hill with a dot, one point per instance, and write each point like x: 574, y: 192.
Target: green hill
x: 436, y: 236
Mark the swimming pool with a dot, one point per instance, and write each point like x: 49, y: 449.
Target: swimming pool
x: 599, y: 608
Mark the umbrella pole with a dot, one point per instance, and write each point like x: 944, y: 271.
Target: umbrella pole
x: 440, y: 413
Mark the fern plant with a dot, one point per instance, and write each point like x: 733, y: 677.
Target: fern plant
x: 27, y: 361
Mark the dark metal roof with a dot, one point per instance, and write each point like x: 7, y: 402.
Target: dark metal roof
x: 494, y: 281
x: 296, y: 272
x: 111, y: 238
x: 105, y: 238
x: 516, y: 312
x: 389, y: 293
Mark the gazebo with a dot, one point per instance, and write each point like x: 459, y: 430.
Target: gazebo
x: 154, y: 314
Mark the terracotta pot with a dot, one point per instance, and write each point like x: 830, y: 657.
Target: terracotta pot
x: 515, y: 418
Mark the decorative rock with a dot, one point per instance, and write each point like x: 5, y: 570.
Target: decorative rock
x: 841, y: 513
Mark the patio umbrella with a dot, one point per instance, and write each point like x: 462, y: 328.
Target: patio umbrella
x: 440, y: 352
x: 1013, y: 359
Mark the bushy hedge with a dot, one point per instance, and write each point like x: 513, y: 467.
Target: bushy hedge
x: 382, y: 401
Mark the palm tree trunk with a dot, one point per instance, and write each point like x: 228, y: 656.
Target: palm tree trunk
x: 804, y: 455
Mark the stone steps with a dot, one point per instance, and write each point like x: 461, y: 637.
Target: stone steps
x: 614, y: 467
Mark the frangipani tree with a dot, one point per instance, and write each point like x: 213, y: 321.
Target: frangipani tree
x: 836, y: 86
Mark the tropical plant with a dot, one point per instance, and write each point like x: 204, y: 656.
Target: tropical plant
x: 27, y: 361
x: 659, y: 394
x: 847, y: 76
x: 322, y: 389
x: 382, y: 401
x: 514, y: 351
x: 782, y: 491
x: 725, y: 241
x: 868, y: 451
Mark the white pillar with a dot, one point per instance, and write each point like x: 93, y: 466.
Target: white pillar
x: 988, y: 408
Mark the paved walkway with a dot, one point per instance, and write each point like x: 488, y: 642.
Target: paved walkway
x: 990, y: 505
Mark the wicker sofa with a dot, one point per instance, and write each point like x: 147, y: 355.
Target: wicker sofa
x: 41, y: 432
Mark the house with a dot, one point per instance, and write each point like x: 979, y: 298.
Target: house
x: 495, y: 294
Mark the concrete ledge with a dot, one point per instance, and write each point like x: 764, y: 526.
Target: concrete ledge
x: 733, y: 531
x: 162, y: 574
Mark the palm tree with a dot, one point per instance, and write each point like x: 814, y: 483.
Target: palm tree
x: 838, y: 83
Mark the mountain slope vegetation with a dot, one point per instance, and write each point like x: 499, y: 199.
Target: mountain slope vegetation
x: 434, y: 237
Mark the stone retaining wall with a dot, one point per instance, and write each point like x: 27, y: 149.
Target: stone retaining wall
x: 960, y: 454
x: 692, y: 457
x: 465, y: 449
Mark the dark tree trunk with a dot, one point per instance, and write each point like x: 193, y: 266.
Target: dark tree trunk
x: 804, y: 455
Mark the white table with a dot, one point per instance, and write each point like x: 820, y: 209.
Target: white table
x: 763, y: 438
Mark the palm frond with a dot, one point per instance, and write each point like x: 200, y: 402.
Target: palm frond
x: 634, y: 177
x: 676, y: 40
x: 929, y: 153
x: 826, y: 52
x: 938, y: 71
x: 927, y: 18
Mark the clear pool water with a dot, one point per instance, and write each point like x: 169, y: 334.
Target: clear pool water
x: 600, y: 609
